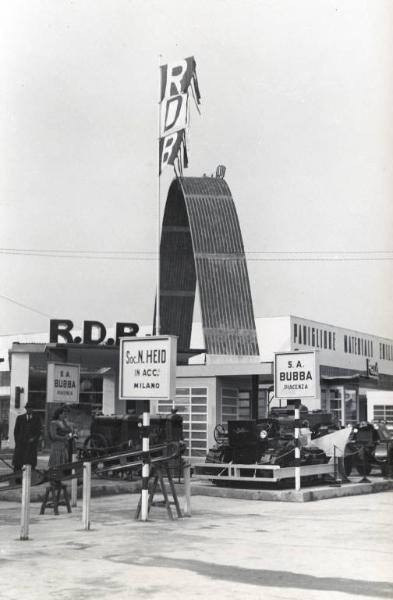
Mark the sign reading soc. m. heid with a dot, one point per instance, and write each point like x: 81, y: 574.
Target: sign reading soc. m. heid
x: 147, y: 368
x: 296, y: 375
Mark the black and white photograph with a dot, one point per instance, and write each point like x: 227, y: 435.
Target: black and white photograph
x: 196, y: 301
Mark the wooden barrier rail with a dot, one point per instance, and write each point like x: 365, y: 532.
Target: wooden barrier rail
x: 157, y: 456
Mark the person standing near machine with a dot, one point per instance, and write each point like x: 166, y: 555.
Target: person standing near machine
x: 27, y: 433
x: 61, y: 434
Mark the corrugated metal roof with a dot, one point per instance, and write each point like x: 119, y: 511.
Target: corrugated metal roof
x: 202, y: 243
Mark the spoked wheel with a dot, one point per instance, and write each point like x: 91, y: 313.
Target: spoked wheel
x: 95, y: 443
x: 219, y: 434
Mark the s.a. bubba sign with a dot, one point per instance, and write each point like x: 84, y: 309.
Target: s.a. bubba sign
x: 296, y: 375
x: 62, y: 383
x: 147, y: 368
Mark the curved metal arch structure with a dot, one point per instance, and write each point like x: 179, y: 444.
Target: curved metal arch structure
x: 201, y: 243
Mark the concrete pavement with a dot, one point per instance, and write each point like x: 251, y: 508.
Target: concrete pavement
x: 340, y: 548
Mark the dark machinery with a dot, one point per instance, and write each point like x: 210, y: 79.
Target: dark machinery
x: 119, y: 432
x: 264, y: 441
x: 111, y: 434
x: 319, y: 422
x: 371, y: 445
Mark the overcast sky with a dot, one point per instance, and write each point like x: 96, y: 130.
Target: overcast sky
x: 297, y: 103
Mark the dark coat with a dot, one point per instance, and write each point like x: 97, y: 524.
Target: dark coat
x: 26, y: 434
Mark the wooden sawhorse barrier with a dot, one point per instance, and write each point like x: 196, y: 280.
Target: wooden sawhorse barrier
x: 53, y: 497
x: 159, y: 471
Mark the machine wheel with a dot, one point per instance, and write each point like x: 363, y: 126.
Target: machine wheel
x: 96, y: 441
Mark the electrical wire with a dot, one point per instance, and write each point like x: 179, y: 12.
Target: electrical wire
x: 44, y: 250
x: 39, y: 312
x: 275, y: 256
x: 133, y: 252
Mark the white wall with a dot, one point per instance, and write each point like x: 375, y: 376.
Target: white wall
x: 276, y: 334
x: 273, y: 336
x: 19, y: 377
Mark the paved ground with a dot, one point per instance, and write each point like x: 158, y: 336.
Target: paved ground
x: 340, y: 548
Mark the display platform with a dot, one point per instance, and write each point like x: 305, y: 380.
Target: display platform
x: 310, y: 493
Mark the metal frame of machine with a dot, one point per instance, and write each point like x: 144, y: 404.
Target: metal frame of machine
x: 257, y: 473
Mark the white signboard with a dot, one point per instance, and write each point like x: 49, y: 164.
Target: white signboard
x: 147, y: 368
x: 62, y: 383
x: 296, y: 375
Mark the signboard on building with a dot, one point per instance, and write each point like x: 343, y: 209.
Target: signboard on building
x: 296, y: 375
x: 62, y: 383
x: 147, y: 368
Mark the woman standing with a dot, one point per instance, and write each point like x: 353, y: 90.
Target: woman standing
x: 60, y: 434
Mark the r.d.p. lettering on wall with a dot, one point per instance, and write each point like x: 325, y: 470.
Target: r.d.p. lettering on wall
x: 94, y: 332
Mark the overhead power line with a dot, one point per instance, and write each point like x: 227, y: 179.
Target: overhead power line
x: 103, y: 256
x: 323, y: 259
x: 253, y: 256
x: 21, y: 333
x: 45, y: 251
x: 321, y: 252
x: 39, y: 312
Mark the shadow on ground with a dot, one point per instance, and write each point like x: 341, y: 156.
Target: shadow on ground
x: 268, y: 578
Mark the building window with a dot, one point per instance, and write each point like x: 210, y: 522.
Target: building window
x: 191, y: 404
x: 335, y: 404
x: 229, y: 405
x: 91, y: 390
x: 5, y: 378
x: 350, y: 407
x: 4, y: 417
x: 244, y: 411
x: 37, y: 390
x: 383, y: 412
